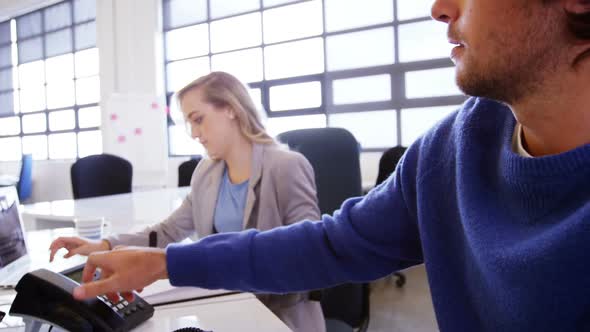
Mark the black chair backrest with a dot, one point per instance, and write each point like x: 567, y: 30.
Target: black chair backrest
x: 334, y: 156
x: 24, y: 185
x: 185, y: 171
x: 101, y: 175
x: 388, y: 162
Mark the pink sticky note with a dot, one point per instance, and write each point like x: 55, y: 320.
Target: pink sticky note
x: 167, y: 109
x: 138, y: 131
x: 114, y: 117
x: 121, y: 139
x: 155, y: 105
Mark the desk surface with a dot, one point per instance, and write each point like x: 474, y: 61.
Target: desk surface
x: 123, y: 211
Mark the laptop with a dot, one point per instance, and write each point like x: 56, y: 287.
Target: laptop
x: 14, y: 258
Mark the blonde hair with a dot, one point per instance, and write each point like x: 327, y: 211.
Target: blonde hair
x: 221, y: 89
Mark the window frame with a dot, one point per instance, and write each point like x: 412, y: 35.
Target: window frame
x: 16, y: 90
x: 396, y: 72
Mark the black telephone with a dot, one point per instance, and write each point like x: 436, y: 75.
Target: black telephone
x: 44, y: 296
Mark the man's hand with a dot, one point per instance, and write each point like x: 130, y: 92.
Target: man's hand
x: 123, y: 270
x: 77, y: 246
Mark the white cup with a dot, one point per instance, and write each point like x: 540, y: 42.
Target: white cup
x: 90, y: 228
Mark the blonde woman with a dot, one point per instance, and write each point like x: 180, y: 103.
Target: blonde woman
x: 248, y: 181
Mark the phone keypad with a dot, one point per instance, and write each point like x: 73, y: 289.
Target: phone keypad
x: 123, y: 307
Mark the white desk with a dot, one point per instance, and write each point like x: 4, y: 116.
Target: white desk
x: 124, y: 212
x: 238, y: 312
x: 233, y: 312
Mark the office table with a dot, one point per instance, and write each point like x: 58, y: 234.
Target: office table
x: 123, y: 212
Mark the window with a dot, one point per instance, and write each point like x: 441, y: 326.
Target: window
x: 379, y: 68
x: 49, y: 86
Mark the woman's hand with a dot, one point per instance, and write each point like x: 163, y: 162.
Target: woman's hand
x: 123, y: 270
x: 77, y: 246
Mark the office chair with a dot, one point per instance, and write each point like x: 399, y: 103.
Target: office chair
x: 101, y: 175
x: 24, y: 186
x: 387, y: 164
x: 24, y: 182
x: 334, y: 156
x: 186, y: 170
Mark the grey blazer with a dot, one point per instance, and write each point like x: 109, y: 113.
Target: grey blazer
x: 281, y: 191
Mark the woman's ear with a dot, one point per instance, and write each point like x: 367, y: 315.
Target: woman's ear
x: 230, y: 113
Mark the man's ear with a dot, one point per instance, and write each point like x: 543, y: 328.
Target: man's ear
x: 577, y: 6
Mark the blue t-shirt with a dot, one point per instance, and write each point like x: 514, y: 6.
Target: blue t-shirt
x: 231, y: 201
x: 505, y: 239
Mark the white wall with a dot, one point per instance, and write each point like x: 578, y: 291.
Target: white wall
x: 131, y: 68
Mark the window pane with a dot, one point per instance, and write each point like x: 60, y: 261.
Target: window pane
x: 181, y: 73
x: 348, y: 14
x: 6, y: 79
x: 10, y: 149
x: 9, y: 126
x: 279, y: 125
x: 6, y: 103
x: 269, y: 3
x: 30, y: 50
x: 295, y: 96
x: 183, y: 12
x: 181, y: 143
x: 59, y: 68
x: 179, y: 47
x: 28, y: 25
x: 236, y: 32
x: 85, y: 35
x: 58, y: 42
x: 89, y: 117
x: 84, y: 10
x: 86, y: 62
x: 292, y: 22
x: 417, y: 121
x: 371, y: 129
x: 31, y: 74
x: 62, y: 120
x: 35, y: 145
x: 34, y: 123
x: 362, y: 89
x: 62, y: 146
x: 423, y: 41
x: 360, y: 49
x: 5, y: 56
x: 5, y: 32
x: 245, y: 65
x: 87, y: 90
x: 32, y: 99
x: 412, y: 9
x: 60, y: 94
x: 431, y: 83
x: 220, y: 8
x: 294, y: 59
x: 57, y: 16
x: 89, y: 143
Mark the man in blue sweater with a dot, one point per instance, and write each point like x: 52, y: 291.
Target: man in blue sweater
x: 495, y: 199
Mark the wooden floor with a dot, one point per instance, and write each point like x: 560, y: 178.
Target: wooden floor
x: 407, y: 309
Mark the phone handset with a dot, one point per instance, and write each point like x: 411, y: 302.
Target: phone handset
x: 44, y: 296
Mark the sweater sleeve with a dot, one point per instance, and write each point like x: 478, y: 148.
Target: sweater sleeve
x: 366, y: 239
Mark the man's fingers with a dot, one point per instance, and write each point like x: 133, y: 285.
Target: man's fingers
x: 93, y: 289
x: 128, y: 296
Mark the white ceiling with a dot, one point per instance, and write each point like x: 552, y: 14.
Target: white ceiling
x: 12, y: 8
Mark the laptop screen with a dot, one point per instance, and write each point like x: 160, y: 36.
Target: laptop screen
x: 12, y: 240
